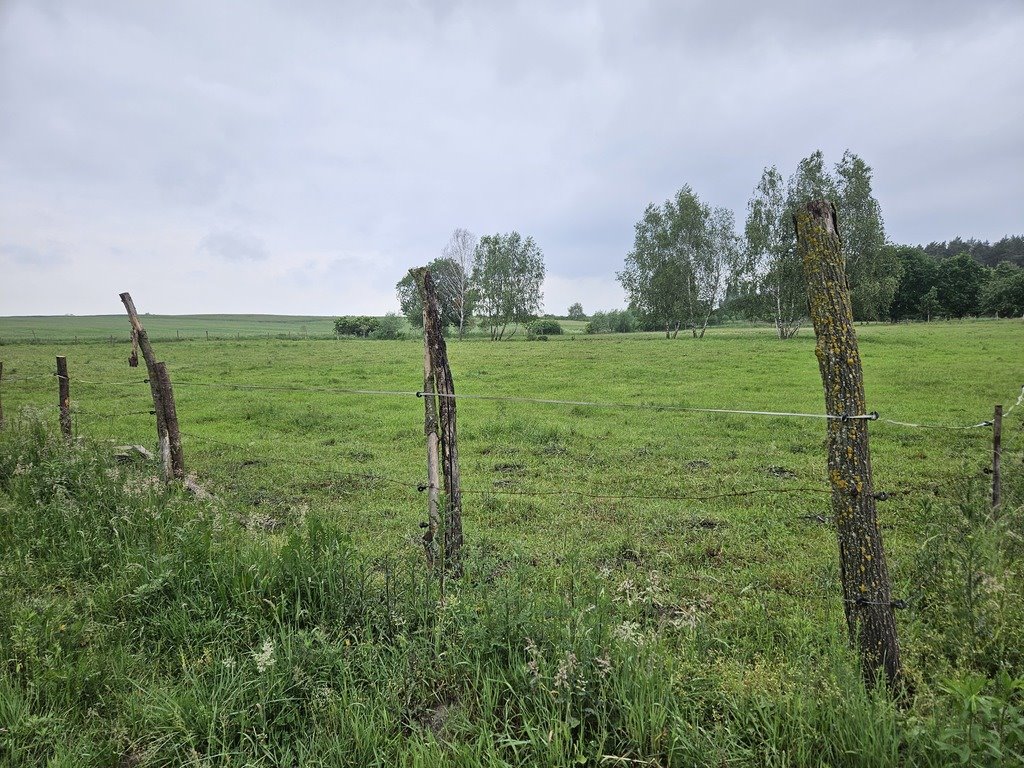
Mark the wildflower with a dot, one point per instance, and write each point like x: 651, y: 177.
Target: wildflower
x: 603, y: 664
x: 265, y: 658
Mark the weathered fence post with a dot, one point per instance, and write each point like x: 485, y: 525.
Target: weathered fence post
x: 177, y: 458
x: 161, y: 406
x: 444, y: 387
x: 997, y: 454
x: 430, y: 430
x: 64, y: 389
x: 867, y: 591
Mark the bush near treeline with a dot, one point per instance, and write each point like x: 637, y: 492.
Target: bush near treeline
x: 615, y: 321
x: 365, y: 327
x: 544, y: 327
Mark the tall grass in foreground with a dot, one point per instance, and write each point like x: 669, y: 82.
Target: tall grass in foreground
x: 140, y: 627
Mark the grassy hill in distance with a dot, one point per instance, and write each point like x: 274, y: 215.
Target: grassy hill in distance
x: 102, y: 327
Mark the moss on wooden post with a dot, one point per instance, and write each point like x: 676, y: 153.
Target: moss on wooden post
x: 867, y: 591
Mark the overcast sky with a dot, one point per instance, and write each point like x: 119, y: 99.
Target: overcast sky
x: 298, y: 157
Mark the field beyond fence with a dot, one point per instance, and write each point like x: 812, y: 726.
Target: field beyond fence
x: 628, y: 532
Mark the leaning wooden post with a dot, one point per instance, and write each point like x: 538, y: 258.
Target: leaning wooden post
x: 997, y: 454
x: 444, y: 387
x: 64, y: 388
x: 867, y: 591
x: 140, y: 337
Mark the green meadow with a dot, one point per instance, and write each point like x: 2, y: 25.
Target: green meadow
x: 645, y: 585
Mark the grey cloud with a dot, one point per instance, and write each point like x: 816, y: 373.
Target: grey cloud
x: 36, y: 258
x: 374, y: 129
x: 234, y: 246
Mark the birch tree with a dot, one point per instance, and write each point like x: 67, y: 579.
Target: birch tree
x: 508, y: 271
x: 459, y: 251
x: 771, y: 261
x: 683, y: 253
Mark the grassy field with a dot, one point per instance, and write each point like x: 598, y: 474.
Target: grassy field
x: 102, y: 327
x: 608, y: 616
x: 112, y: 328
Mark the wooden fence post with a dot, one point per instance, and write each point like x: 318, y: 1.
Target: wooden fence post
x: 444, y: 387
x: 163, y: 438
x: 867, y: 591
x: 430, y: 430
x: 997, y: 454
x: 64, y: 388
x: 177, y: 459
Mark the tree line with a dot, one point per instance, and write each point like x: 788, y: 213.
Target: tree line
x: 691, y: 266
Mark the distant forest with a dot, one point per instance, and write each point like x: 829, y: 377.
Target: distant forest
x: 1010, y: 248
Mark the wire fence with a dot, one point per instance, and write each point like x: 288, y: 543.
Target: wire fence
x: 650, y: 406
x: 418, y: 485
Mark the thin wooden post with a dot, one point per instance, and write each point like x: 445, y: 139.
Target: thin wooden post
x: 867, y: 591
x: 444, y: 387
x: 433, y: 441
x: 64, y: 389
x: 1, y: 394
x: 177, y: 459
x: 142, y: 338
x: 997, y: 454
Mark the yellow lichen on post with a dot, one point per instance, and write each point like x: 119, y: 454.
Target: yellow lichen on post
x: 869, y: 611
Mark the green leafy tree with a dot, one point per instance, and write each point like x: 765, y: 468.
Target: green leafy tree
x: 771, y: 263
x: 958, y: 283
x: 454, y: 302
x: 873, y: 273
x: 683, y: 254
x: 1003, y: 293
x: 930, y: 304
x: 873, y: 270
x: 917, y: 277
x: 508, y: 272
x: 576, y: 312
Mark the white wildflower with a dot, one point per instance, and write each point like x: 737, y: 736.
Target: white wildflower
x: 265, y: 658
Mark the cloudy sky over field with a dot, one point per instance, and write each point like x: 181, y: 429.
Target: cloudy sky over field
x: 299, y: 157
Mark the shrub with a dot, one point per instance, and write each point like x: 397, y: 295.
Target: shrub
x: 544, y: 327
x: 388, y: 327
x: 365, y: 327
x: 615, y: 321
x: 353, y: 325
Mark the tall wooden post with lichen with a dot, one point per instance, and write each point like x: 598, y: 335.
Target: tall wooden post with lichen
x: 867, y: 592
x: 444, y: 390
